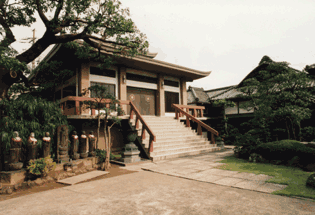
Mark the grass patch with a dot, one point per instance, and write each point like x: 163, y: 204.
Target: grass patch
x: 117, y: 156
x: 295, y: 178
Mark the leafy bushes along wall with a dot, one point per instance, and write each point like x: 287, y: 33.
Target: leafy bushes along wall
x: 28, y: 114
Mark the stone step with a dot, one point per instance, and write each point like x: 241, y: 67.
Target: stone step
x: 181, y: 149
x: 176, y: 155
x: 176, y: 142
x: 175, y: 138
x: 174, y: 133
x: 173, y: 129
x: 163, y: 118
x: 157, y: 148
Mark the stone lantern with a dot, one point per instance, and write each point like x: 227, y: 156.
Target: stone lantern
x: 131, y: 152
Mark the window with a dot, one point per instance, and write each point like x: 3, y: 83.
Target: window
x: 141, y: 78
x: 102, y: 72
x: 171, y: 83
x: 110, y: 88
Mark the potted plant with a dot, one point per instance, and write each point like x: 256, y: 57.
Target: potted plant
x: 131, y: 135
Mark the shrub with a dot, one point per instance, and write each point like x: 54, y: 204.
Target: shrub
x: 308, y: 133
x: 306, y: 155
x: 101, y: 153
x: 295, y: 161
x: 283, y: 150
x: 41, y: 166
x: 256, y: 158
x: 310, y: 182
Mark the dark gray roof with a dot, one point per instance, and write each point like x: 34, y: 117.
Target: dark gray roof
x: 228, y: 94
x: 218, y: 91
x: 195, y: 94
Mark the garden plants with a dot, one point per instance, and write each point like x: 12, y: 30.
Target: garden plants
x: 41, y: 167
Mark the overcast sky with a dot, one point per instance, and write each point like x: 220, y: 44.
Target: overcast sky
x: 227, y: 37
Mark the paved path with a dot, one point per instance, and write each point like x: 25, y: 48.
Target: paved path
x: 202, y: 168
x: 151, y: 193
x: 146, y: 192
x: 79, y: 178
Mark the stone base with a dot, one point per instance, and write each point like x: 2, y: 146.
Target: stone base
x: 84, y: 155
x: 19, y: 176
x: 63, y: 158
x: 12, y: 177
x: 130, y: 159
x: 76, y: 156
x: 15, y: 166
x: 92, y: 154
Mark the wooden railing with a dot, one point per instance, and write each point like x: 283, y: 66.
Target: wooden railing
x: 197, y: 111
x: 77, y: 110
x: 78, y: 104
x: 179, y: 111
x: 145, y: 126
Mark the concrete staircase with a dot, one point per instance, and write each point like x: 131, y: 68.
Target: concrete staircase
x: 173, y: 139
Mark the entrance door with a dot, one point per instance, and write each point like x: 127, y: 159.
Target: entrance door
x: 171, y: 98
x: 143, y: 99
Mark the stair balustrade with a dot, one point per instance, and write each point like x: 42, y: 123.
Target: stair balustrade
x: 179, y: 111
x: 145, y: 126
x: 78, y: 109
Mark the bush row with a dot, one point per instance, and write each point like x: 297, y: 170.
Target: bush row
x: 288, y: 152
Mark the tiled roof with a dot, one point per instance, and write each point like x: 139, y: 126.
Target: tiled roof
x: 223, y: 93
x: 195, y: 94
x: 229, y: 94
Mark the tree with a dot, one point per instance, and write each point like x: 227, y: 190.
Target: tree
x: 27, y: 114
x: 93, y: 21
x: 223, y: 103
x: 100, y: 96
x: 280, y: 96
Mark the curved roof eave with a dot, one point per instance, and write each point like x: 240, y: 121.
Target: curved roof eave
x: 147, y: 63
x: 170, y: 68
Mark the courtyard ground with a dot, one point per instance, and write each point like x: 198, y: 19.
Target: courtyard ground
x: 146, y: 192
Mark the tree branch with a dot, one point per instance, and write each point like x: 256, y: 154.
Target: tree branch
x: 41, y: 14
x: 58, y: 9
x: 9, y: 37
x: 68, y: 37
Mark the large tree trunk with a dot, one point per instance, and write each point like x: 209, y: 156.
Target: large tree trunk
x: 6, y: 81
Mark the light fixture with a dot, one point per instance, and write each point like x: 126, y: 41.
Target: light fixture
x: 162, y: 84
x: 124, y: 79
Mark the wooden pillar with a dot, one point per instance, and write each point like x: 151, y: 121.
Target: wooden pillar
x: 122, y: 87
x: 183, y: 91
x: 84, y: 83
x: 160, y: 96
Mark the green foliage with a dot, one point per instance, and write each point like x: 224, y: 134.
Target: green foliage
x: 100, y: 95
x: 256, y: 158
x: 101, y: 24
x: 295, y: 162
x: 41, y: 166
x: 280, y: 96
x: 288, y: 152
x: 223, y: 103
x: 101, y: 153
x: 283, y: 150
x: 28, y: 114
x: 311, y: 181
x: 308, y: 133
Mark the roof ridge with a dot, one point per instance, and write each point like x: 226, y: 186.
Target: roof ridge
x: 231, y: 88
x: 221, y: 88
